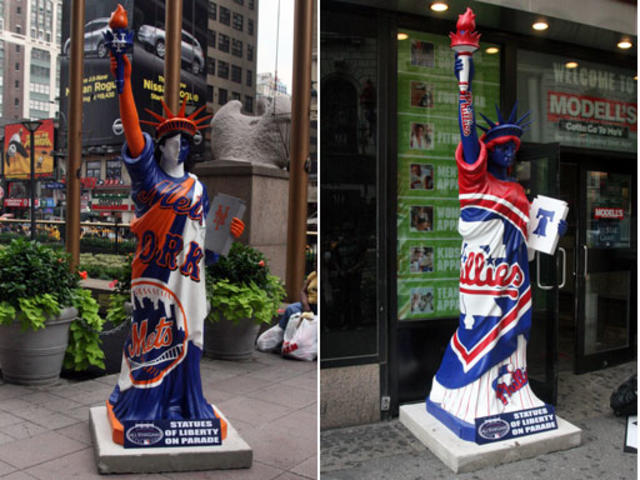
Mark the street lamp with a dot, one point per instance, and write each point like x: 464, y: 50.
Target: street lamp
x: 32, y: 126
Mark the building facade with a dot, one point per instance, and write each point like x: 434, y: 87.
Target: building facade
x: 30, y: 47
x: 390, y: 248
x: 232, y: 45
x: 30, y: 35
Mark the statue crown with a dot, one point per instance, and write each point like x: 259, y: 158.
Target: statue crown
x: 510, y: 128
x: 176, y: 123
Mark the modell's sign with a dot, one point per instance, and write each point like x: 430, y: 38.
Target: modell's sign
x: 591, y: 115
x: 610, y: 213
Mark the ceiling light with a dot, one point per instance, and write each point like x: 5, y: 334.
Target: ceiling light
x: 402, y: 36
x: 624, y: 44
x: 492, y: 50
x: 439, y: 7
x: 571, y: 64
x: 540, y: 25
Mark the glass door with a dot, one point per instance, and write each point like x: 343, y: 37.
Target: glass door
x: 606, y: 264
x: 537, y: 172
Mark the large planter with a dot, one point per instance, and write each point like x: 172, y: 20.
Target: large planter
x: 113, y: 343
x: 35, y: 358
x: 226, y: 340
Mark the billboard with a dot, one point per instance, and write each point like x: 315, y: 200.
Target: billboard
x: 101, y: 117
x: 428, y: 243
x: 148, y: 56
x: 17, y: 150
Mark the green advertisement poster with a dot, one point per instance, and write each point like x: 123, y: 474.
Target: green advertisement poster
x: 428, y: 247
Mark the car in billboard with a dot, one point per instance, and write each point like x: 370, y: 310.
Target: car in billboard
x: 93, y: 38
x: 153, y: 39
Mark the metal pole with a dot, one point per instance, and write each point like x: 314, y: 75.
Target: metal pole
x: 32, y: 163
x: 300, y: 118
x: 173, y: 53
x: 74, y: 138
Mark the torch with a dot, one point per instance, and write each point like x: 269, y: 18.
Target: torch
x: 465, y: 41
x: 119, y: 40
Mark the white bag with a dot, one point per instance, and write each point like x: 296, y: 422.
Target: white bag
x: 301, y: 337
x: 271, y: 339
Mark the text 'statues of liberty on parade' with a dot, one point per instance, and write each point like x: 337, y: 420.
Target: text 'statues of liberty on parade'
x: 483, y: 372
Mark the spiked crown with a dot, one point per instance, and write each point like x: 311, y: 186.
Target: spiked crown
x: 176, y: 123
x: 502, y: 132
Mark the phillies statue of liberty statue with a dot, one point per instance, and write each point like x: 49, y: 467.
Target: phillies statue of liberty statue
x: 484, y: 371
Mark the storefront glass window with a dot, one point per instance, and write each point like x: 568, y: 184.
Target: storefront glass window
x: 591, y: 105
x: 428, y: 245
x: 348, y: 191
x: 608, y: 221
x: 93, y: 169
x: 608, y: 210
x: 114, y: 169
x: 607, y: 306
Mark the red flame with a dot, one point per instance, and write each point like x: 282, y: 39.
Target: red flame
x: 466, y: 21
x: 465, y: 35
x: 119, y: 18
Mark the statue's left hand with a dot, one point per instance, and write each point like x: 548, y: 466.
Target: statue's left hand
x: 563, y: 226
x: 237, y: 227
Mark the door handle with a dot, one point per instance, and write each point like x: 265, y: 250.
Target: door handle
x: 586, y: 260
x: 564, y: 266
x: 540, y: 286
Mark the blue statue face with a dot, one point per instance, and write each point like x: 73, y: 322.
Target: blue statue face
x: 176, y: 148
x: 185, y: 146
x: 503, y: 155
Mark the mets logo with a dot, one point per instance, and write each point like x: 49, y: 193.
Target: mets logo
x: 494, y: 429
x: 144, y: 434
x: 157, y: 342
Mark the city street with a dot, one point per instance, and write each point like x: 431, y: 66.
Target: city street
x: 44, y: 431
x: 389, y: 451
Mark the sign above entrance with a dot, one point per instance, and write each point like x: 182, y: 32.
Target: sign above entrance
x: 590, y: 105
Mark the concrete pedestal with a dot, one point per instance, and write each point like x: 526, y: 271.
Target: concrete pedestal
x: 112, y: 458
x: 265, y: 191
x: 461, y: 456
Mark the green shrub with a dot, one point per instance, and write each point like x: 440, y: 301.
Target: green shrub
x: 103, y: 265
x: 36, y: 282
x: 241, y: 286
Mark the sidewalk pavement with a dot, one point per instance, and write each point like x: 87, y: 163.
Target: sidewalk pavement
x: 271, y: 401
x: 387, y: 450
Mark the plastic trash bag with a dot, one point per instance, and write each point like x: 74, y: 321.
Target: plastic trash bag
x: 271, y: 339
x: 301, y: 337
x: 624, y: 400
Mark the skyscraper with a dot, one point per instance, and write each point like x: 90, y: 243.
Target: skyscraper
x: 29, y: 48
x: 232, y: 53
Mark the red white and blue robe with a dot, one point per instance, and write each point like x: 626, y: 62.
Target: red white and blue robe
x: 483, y: 371
x: 160, y: 374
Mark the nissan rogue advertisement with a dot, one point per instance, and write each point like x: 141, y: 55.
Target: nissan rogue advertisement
x: 101, y: 117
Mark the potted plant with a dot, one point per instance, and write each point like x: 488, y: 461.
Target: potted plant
x: 118, y: 317
x: 40, y: 302
x: 243, y: 295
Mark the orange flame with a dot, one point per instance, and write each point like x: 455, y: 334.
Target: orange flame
x: 118, y: 18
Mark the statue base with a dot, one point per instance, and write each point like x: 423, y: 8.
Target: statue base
x: 463, y: 456
x: 113, y: 458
